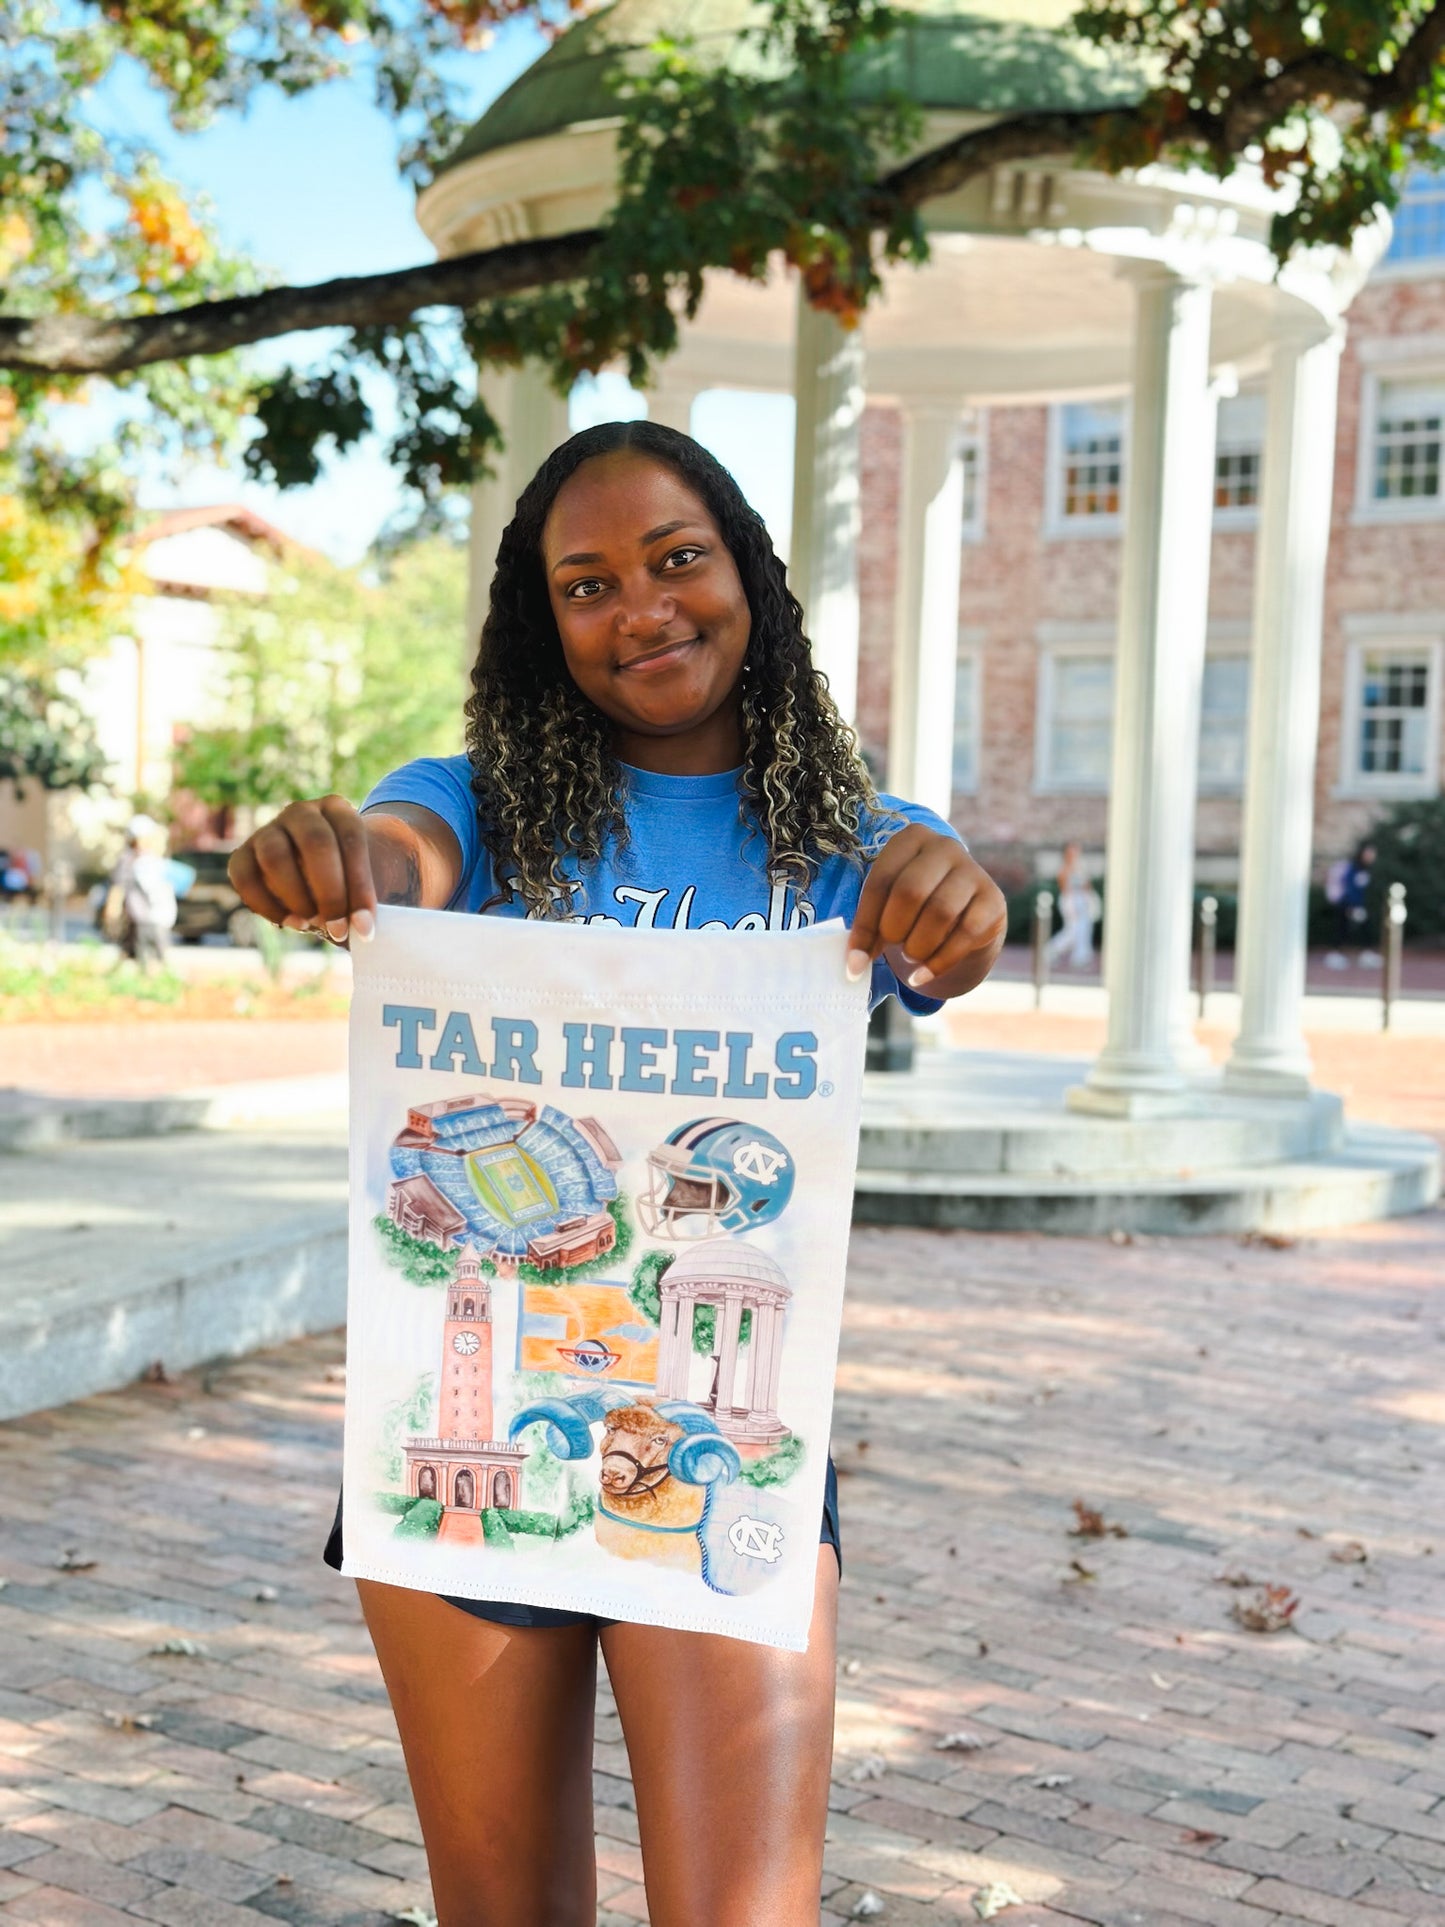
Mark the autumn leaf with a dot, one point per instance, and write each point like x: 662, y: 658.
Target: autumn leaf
x: 1271, y: 1610
x: 1091, y: 1524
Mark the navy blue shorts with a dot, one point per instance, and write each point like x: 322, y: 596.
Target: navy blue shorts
x: 503, y: 1612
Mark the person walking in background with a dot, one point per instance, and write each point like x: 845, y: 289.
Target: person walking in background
x: 1347, y: 888
x: 147, y: 901
x: 1079, y: 907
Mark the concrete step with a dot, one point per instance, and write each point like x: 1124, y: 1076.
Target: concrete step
x: 1376, y: 1173
x: 116, y: 1254
x: 1004, y: 1113
x: 32, y: 1121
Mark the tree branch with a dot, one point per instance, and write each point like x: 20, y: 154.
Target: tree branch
x: 71, y: 344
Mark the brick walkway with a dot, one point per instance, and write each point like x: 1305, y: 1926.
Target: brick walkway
x: 1141, y: 1759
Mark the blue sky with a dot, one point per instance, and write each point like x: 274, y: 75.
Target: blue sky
x: 309, y: 187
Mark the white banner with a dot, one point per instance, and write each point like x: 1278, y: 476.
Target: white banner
x: 601, y: 1183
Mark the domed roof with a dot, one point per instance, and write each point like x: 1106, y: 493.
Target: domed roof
x: 721, y: 1261
x: 995, y: 57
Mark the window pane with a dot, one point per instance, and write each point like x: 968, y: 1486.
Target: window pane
x: 1394, y: 715
x: 968, y: 455
x: 1223, y: 710
x: 1420, y: 221
x: 965, y: 726
x: 1092, y: 435
x: 1409, y: 433
x: 1081, y: 726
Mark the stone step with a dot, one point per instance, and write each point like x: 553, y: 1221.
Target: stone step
x: 33, y: 1121
x: 1004, y: 1113
x: 117, y: 1254
x: 1376, y: 1173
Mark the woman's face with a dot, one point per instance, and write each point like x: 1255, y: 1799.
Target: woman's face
x: 649, y: 606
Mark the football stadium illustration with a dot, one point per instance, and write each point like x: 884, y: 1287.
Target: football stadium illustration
x: 516, y: 1181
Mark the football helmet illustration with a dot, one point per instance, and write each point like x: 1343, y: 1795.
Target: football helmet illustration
x: 713, y: 1176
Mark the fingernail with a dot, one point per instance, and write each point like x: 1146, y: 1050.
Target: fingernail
x: 294, y: 922
x: 856, y: 963
x: 336, y: 929
x: 923, y: 975
x: 363, y: 925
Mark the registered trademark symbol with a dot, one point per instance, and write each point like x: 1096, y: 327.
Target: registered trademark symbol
x: 825, y: 1089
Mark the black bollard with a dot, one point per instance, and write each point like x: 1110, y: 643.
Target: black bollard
x: 1392, y: 951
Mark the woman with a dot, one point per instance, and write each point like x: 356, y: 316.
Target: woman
x: 647, y: 742
x: 1078, y: 908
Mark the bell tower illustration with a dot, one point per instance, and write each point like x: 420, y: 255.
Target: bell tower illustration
x: 462, y: 1466
x: 464, y: 1406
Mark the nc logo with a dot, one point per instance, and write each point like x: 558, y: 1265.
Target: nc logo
x: 756, y: 1539
x: 758, y: 1162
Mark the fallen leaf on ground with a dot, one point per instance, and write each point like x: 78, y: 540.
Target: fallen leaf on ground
x: 1269, y: 1240
x: 1077, y: 1571
x: 188, y: 1648
x: 1199, y: 1836
x: 130, y: 1722
x: 155, y: 1373
x: 73, y: 1560
x: 1159, y: 1680
x: 871, y: 1767
x: 1234, y: 1576
x: 959, y: 1743
x: 265, y: 1594
x: 1091, y: 1524
x: 1351, y: 1553
x: 993, y: 1898
x: 1270, y: 1611
x: 1051, y: 1782
x: 867, y: 1907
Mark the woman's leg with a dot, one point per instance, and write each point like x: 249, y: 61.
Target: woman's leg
x: 496, y: 1724
x: 731, y: 1746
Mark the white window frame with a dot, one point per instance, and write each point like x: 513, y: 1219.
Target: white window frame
x: 1418, y: 636
x: 1058, y: 641
x: 970, y: 665
x: 1227, y: 641
x: 1402, y: 358
x: 1244, y: 516
x: 973, y: 434
x: 1056, y: 522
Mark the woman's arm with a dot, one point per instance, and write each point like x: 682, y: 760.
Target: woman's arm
x: 321, y: 864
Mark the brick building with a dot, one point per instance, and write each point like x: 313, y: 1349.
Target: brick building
x: 1039, y: 593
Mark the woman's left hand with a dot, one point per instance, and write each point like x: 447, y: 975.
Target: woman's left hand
x: 937, y: 916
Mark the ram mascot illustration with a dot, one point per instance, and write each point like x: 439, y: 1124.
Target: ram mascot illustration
x: 660, y: 1463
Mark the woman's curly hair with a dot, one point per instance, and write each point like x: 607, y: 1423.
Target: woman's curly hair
x: 548, y: 785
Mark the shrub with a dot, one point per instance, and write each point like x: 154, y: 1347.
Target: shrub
x: 420, y: 1520
x: 1410, y: 844
x: 778, y: 1467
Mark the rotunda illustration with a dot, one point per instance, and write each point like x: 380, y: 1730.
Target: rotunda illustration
x: 734, y: 1277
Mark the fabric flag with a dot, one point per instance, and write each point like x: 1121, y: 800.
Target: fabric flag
x: 601, y: 1183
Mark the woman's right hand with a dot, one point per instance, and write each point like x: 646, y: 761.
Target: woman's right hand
x: 310, y: 869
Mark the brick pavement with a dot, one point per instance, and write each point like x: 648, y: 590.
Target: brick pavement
x: 1141, y: 1759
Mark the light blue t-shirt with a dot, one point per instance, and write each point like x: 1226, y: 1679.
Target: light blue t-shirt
x: 691, y: 862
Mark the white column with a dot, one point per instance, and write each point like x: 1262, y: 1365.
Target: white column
x: 823, y: 547
x: 1269, y: 1053
x: 925, y: 629
x: 729, y: 1328
x: 670, y: 403
x: 533, y: 419
x: 1159, y: 669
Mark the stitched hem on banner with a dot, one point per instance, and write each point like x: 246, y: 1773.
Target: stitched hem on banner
x: 626, y: 1611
